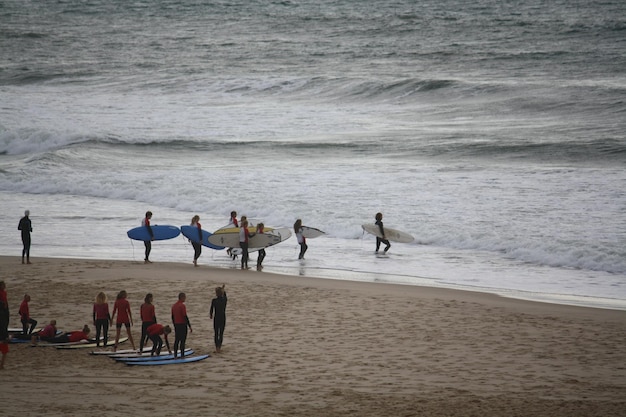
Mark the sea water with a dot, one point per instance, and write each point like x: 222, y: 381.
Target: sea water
x: 493, y: 133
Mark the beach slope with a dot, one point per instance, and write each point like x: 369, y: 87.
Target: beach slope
x: 297, y: 346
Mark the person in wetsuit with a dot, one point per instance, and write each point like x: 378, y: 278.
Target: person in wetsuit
x: 379, y: 240
x: 218, y: 314
x: 26, y: 227
x: 181, y: 322
x: 148, y: 243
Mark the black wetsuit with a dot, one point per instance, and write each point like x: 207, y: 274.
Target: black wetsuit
x: 379, y: 240
x: 26, y: 227
x: 218, y: 311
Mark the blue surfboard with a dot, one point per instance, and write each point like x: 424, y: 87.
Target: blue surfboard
x: 147, y: 357
x: 160, y: 232
x: 186, y: 359
x: 191, y: 233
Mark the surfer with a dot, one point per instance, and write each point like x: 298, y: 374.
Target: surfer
x: 218, y: 314
x: 47, y: 334
x: 148, y: 243
x: 154, y: 332
x: 297, y: 227
x: 25, y: 317
x: 101, y: 318
x: 124, y: 317
x: 244, y: 239
x: 181, y: 322
x: 73, y: 336
x: 26, y: 227
x: 259, y: 260
x: 148, y: 318
x: 232, y: 223
x: 379, y: 240
x: 197, y: 246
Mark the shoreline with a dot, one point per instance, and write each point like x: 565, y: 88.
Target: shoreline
x: 349, y: 276
x: 308, y: 347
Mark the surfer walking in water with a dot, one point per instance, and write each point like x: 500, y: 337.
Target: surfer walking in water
x: 297, y: 228
x: 383, y: 239
x: 244, y: 239
x: 233, y: 223
x: 197, y: 246
x: 148, y: 243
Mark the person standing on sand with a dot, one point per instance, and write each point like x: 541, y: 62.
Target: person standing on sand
x: 26, y: 227
x: 101, y: 318
x: 218, y: 314
x: 124, y: 317
x: 4, y: 350
x: 297, y: 228
x: 148, y: 243
x: 244, y: 238
x: 197, y: 246
x: 148, y: 318
x: 379, y: 240
x: 25, y: 317
x: 4, y: 312
x: 181, y: 322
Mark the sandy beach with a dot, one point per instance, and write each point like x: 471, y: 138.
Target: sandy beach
x: 298, y: 346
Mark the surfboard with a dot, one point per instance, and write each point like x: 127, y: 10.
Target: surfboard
x: 391, y: 234
x: 186, y: 359
x: 163, y: 356
x: 83, y: 345
x: 191, y: 233
x: 232, y: 229
x: 258, y: 241
x: 311, y: 232
x: 122, y: 352
x: 20, y: 330
x: 163, y: 232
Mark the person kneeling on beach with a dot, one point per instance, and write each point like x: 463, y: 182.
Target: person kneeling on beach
x: 47, y: 334
x: 154, y: 333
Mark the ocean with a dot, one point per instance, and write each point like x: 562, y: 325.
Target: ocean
x: 493, y: 132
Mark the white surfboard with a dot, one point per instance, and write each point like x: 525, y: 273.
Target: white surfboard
x: 311, y: 232
x: 391, y: 234
x: 230, y: 238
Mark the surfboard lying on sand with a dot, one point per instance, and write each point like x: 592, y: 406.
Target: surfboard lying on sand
x: 20, y: 330
x: 186, y: 359
x: 123, y: 352
x: 83, y: 345
x: 163, y: 232
x: 311, y: 232
x: 391, y: 234
x: 191, y: 233
x: 163, y: 356
x: 230, y: 238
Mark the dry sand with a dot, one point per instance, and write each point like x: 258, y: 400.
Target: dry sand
x: 299, y: 346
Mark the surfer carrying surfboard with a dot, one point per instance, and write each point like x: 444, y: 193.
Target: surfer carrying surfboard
x: 197, y: 246
x: 148, y: 243
x: 297, y: 228
x: 383, y: 239
x: 244, y: 238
